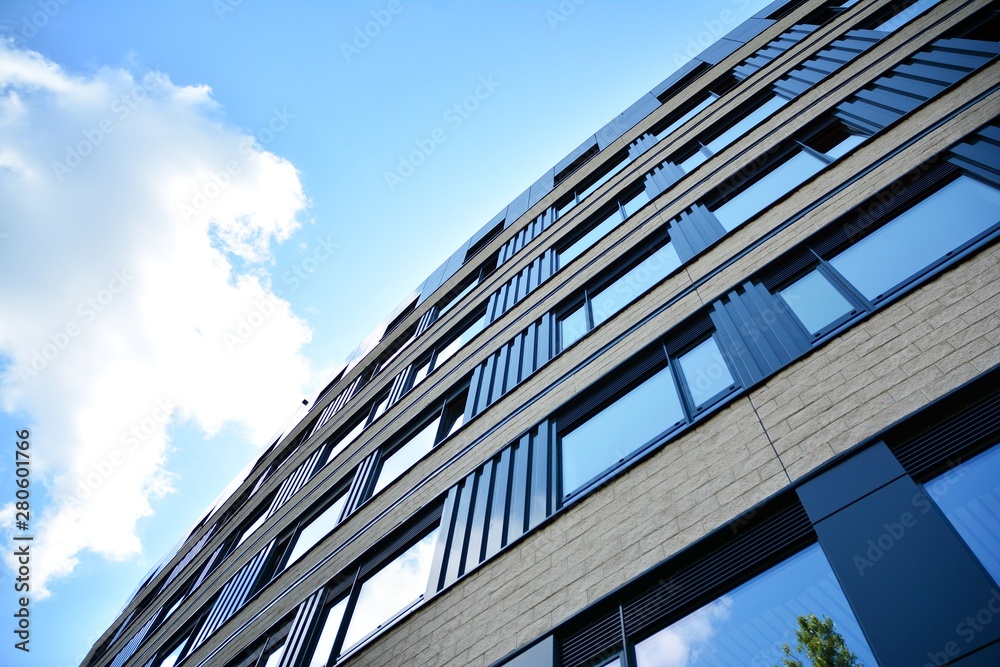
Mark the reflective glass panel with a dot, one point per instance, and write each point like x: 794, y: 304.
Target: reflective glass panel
x: 685, y: 117
x: 403, y: 458
x: 602, y: 228
x: 391, y: 590
x: 749, y: 625
x: 605, y: 178
x: 252, y: 527
x: 815, y: 301
x: 346, y: 440
x: 920, y: 236
x: 847, y: 144
x: 747, y: 123
x: 635, y: 203
x: 619, y: 429
x: 969, y: 495
x: 705, y: 371
x: 274, y: 657
x: 317, y: 529
x: 644, y: 275
x: 766, y: 190
x: 907, y: 15
x: 331, y: 624
x: 459, y: 341
x: 696, y: 158
x: 171, y: 659
x: 573, y: 326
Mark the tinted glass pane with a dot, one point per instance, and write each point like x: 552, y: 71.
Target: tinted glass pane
x: 420, y: 374
x: 619, y: 429
x: 611, y: 221
x: 171, y: 659
x: 815, y: 301
x: 918, y: 237
x: 847, y: 144
x: 685, y: 117
x: 274, y: 657
x: 331, y: 624
x: 644, y: 275
x: 749, y: 625
x: 907, y: 15
x: 459, y: 341
x: 696, y: 158
x: 391, y: 590
x: 746, y: 124
x: 317, y: 529
x: 403, y: 458
x: 766, y: 190
x: 605, y: 178
x: 346, y: 440
x: 253, y: 527
x: 572, y: 327
x: 969, y: 495
x: 705, y: 371
x: 635, y: 203
x: 458, y: 297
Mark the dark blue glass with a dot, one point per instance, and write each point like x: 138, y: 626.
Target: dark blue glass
x: 969, y: 495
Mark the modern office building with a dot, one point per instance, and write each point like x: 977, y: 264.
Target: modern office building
x: 725, y: 375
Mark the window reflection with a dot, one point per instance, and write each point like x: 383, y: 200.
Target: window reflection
x: 403, y: 458
x: 815, y: 301
x: 969, y: 495
x: 767, y: 189
x: 317, y: 529
x: 745, y: 124
x: 706, y: 372
x: 625, y: 289
x: 905, y: 16
x: 331, y: 625
x: 619, y: 429
x: 920, y: 236
x: 749, y: 625
x: 391, y: 590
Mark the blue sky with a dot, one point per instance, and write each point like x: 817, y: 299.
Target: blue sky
x: 197, y: 226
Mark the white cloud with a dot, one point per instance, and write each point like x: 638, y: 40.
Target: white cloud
x: 135, y: 236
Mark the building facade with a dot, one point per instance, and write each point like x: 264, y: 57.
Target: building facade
x: 724, y: 376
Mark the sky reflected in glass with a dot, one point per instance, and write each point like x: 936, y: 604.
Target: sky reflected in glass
x: 749, y: 625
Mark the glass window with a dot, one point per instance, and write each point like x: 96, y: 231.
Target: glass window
x: 766, y: 190
x: 969, y: 495
x: 696, y: 158
x: 460, y: 341
x: 921, y: 235
x: 686, y: 116
x: 381, y: 405
x: 842, y: 147
x: 907, y: 15
x: 350, y: 437
x: 750, y: 624
x: 745, y: 124
x: 317, y: 529
x: 274, y: 657
x: 604, y: 178
x: 706, y: 372
x: 391, y: 590
x: 639, y: 200
x: 625, y: 289
x: 328, y: 635
x: 403, y: 458
x: 258, y: 522
x: 573, y: 326
x: 815, y: 301
x: 453, y: 415
x: 173, y: 658
x: 599, y: 231
x: 619, y: 429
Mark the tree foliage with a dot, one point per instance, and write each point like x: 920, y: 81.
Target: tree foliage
x: 820, y: 643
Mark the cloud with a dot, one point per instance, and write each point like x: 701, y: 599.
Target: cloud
x: 684, y: 642
x: 135, y: 238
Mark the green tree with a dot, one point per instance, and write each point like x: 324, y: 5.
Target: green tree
x: 821, y: 644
